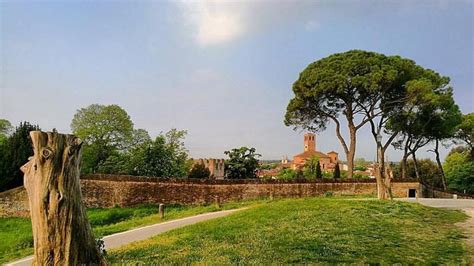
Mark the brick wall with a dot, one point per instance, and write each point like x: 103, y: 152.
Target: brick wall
x: 14, y: 202
x: 430, y: 192
x: 110, y: 190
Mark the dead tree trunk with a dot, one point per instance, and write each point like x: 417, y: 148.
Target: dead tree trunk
x: 61, y: 231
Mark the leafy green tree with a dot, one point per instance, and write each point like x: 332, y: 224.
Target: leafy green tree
x: 337, y: 172
x: 5, y: 129
x: 14, y: 153
x: 117, y: 163
x: 105, y: 129
x: 139, y: 136
x: 465, y: 132
x: 311, y: 166
x: 429, y: 114
x: 287, y: 174
x: 397, y: 81
x: 336, y: 86
x: 106, y: 125
x: 426, y: 169
x: 166, y: 156
x: 175, y: 145
x: 242, y: 163
x: 459, y: 170
x: 199, y: 170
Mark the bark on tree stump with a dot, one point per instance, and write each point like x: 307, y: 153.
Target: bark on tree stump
x: 61, y: 232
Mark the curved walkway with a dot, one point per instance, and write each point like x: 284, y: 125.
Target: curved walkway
x: 141, y: 233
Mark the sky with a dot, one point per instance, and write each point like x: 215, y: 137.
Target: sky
x: 222, y: 70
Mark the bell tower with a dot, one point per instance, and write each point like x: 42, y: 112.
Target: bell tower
x: 309, y: 142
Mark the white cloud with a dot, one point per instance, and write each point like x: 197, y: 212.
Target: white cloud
x: 213, y: 22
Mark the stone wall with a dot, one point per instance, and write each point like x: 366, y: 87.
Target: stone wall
x: 111, y: 190
x: 430, y: 192
x: 14, y: 202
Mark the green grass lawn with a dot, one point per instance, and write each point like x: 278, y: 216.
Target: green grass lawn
x: 311, y: 230
x: 16, y: 239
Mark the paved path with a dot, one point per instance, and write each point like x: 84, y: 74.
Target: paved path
x: 460, y: 204
x: 123, y: 238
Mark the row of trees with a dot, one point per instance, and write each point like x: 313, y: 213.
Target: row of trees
x: 111, y: 145
x: 406, y: 104
x: 114, y: 146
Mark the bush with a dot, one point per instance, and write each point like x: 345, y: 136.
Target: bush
x: 360, y: 176
x: 287, y: 174
x: 242, y: 163
x: 199, y: 170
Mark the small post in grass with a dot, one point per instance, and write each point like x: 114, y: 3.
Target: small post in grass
x: 161, y: 210
x: 217, y: 201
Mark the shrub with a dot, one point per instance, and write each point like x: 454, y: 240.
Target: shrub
x: 287, y: 174
x: 199, y: 170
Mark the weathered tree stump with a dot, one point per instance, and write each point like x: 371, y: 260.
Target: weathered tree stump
x: 61, y: 232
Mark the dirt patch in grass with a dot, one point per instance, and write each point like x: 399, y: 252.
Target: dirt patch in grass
x: 468, y: 227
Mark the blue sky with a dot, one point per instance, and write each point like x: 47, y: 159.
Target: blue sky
x: 223, y: 70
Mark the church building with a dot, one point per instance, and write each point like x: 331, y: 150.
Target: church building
x: 327, y: 161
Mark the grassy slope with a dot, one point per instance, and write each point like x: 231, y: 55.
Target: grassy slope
x: 308, y: 231
x: 16, y: 239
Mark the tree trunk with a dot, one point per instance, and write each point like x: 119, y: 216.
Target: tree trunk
x: 61, y: 231
x: 404, y: 165
x: 350, y: 162
x: 415, y: 165
x: 379, y: 173
x: 440, y: 166
x: 406, y: 153
x: 351, y: 153
x: 380, y: 183
x: 388, y: 181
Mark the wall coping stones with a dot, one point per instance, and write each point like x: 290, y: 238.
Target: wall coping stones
x: 130, y: 178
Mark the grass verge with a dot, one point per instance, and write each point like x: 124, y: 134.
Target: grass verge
x: 311, y: 230
x: 16, y: 240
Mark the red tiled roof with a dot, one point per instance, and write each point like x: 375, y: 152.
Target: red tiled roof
x: 309, y: 154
